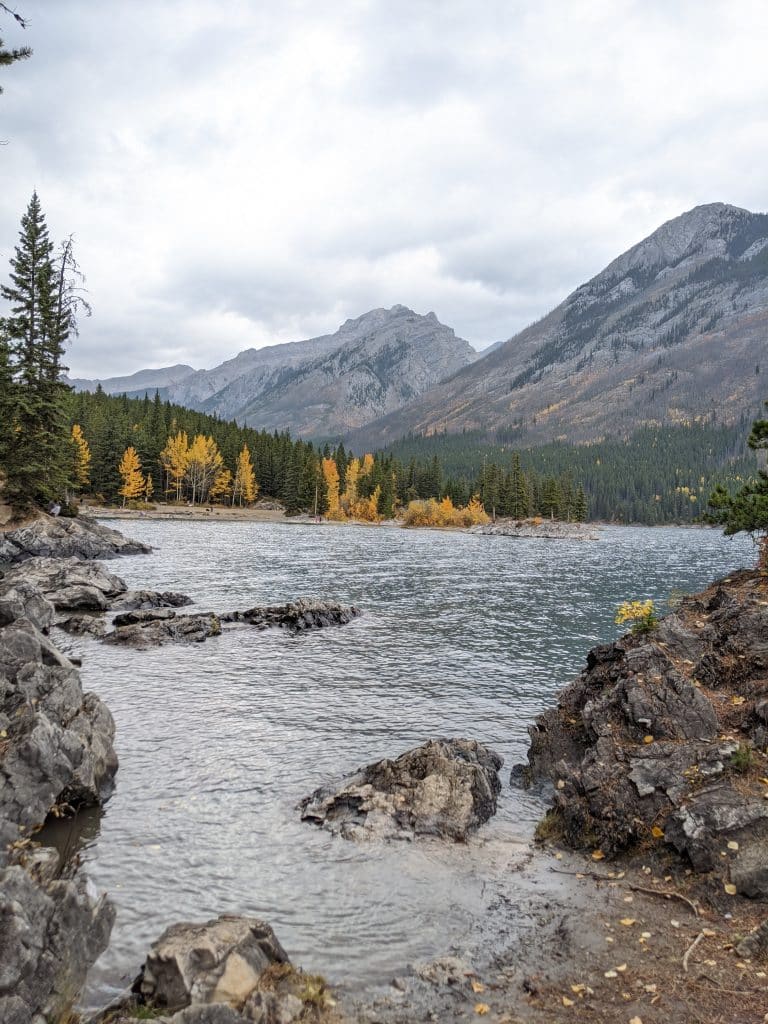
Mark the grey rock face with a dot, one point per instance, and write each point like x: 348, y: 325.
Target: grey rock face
x: 55, y: 750
x: 71, y: 584
x: 64, y: 538
x: 57, y: 742
x: 49, y: 936
x: 444, y: 788
x: 656, y: 732
x: 324, y: 386
x: 135, y: 600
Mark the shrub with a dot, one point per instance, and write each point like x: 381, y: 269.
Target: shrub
x: 640, y: 614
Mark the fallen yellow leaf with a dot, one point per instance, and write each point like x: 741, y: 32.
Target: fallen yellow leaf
x: 598, y: 855
x: 733, y: 845
x: 628, y: 921
x: 578, y: 989
x: 567, y: 1001
x: 647, y: 739
x: 635, y: 1020
x: 730, y: 888
x: 621, y: 967
x: 610, y: 974
x: 478, y: 986
x: 481, y: 1009
x: 657, y: 832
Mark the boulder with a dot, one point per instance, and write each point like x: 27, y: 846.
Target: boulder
x: 153, y: 628
x: 62, y: 538
x: 50, y: 935
x: 70, y: 584
x: 55, y: 742
x: 22, y: 600
x: 141, y: 600
x: 296, y: 616
x: 445, y: 788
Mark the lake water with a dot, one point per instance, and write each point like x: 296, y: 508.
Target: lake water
x: 460, y: 635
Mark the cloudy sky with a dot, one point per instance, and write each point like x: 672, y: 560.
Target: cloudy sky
x: 244, y: 172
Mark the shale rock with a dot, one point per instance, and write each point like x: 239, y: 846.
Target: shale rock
x: 142, y: 600
x: 61, y: 538
x: 22, y: 600
x: 445, y: 788
x: 667, y: 731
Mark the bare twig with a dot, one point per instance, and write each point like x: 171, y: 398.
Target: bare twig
x: 690, y: 949
x: 667, y: 894
x: 14, y: 14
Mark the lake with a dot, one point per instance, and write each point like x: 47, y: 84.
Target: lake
x: 460, y: 635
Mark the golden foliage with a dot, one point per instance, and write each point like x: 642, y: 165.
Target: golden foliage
x: 174, y: 458
x: 445, y: 513
x: 244, y: 486
x: 331, y: 476
x: 82, y: 456
x: 131, y: 475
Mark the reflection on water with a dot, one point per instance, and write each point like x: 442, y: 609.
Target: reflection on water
x: 461, y: 636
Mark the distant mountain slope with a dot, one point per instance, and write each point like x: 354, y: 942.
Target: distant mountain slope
x: 674, y: 328
x: 321, y: 387
x: 139, y: 382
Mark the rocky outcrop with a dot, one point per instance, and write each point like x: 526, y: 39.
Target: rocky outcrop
x: 444, y: 788
x: 296, y: 616
x: 143, y: 600
x: 152, y: 627
x: 663, y: 738
x: 63, y: 538
x: 540, y: 529
x: 229, y: 970
x: 70, y: 584
x: 55, y: 754
x: 159, y: 626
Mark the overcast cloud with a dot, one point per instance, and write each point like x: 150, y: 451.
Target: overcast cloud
x: 240, y: 173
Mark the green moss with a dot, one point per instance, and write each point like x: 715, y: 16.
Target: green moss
x: 551, y: 828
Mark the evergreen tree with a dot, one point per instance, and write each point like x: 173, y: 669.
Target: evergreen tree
x: 43, y: 304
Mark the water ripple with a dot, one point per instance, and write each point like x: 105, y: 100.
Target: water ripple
x: 461, y: 635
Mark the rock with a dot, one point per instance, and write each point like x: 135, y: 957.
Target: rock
x: 84, y: 625
x: 22, y: 600
x: 217, y: 962
x: 56, y: 746
x: 49, y: 936
x: 70, y: 584
x: 153, y: 628
x: 296, y: 615
x: 61, y: 538
x: 444, y: 788
x: 657, y: 733
x: 135, y: 600
x: 755, y: 945
x: 545, y: 529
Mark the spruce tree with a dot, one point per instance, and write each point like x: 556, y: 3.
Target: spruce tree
x: 38, y: 464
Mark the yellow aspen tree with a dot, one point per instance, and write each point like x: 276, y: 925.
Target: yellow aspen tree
x: 82, y: 456
x: 131, y: 475
x: 149, y: 487
x: 349, y: 497
x: 221, y: 486
x: 331, y: 477
x: 174, y: 458
x: 203, y: 466
x: 244, y: 487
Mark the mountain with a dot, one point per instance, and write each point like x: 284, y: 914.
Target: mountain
x: 674, y: 329
x: 138, y: 383
x: 324, y: 386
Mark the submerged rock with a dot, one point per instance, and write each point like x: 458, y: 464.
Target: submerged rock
x: 662, y: 737
x: 445, y: 788
x: 62, y: 538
